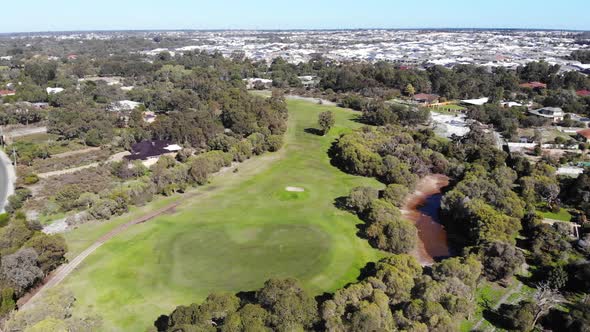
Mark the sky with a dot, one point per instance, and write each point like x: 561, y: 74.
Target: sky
x: 68, y: 15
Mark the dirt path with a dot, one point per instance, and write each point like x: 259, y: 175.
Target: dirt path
x: 116, y: 157
x: 24, y: 131
x: 75, y: 152
x: 58, y: 275
x: 63, y: 271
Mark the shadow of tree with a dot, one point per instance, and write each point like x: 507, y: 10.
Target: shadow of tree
x: 340, y: 204
x: 314, y: 131
x: 247, y: 296
x: 161, y: 323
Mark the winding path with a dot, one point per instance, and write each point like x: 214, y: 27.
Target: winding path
x: 58, y: 275
x: 63, y: 271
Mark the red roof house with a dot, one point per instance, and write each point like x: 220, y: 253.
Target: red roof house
x: 7, y: 93
x: 426, y: 98
x: 534, y: 85
x: 585, y: 133
x: 583, y: 93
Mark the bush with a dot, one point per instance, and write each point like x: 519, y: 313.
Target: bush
x: 17, y: 200
x: 395, y: 194
x: 31, y: 179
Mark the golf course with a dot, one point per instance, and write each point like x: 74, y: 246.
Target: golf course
x: 273, y: 217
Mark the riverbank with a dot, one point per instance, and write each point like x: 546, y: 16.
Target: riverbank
x: 422, y: 207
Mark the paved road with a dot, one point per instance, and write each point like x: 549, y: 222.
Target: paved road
x: 7, y: 179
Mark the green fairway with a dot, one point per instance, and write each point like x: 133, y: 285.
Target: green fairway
x: 244, y: 229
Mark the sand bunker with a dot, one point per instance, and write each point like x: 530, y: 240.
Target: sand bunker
x: 296, y: 189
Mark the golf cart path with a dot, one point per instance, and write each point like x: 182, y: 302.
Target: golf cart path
x: 58, y: 275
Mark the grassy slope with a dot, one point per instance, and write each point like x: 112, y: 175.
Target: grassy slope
x: 245, y: 230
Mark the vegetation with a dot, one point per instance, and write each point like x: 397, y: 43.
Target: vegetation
x: 275, y: 238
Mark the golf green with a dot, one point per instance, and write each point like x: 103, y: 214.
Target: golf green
x: 246, y: 227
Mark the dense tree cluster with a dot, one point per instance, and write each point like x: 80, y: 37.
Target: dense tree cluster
x: 397, y: 295
x: 389, y: 153
x: 280, y: 305
x: 28, y: 255
x: 483, y: 208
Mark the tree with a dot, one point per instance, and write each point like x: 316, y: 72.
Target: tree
x: 501, y: 260
x: 360, y: 198
x: 395, y: 194
x: 326, y: 121
x: 518, y: 317
x: 21, y: 269
x: 545, y: 299
x: 54, y: 309
x: 51, y: 250
x: 358, y: 307
x: 410, y: 90
x: 290, y: 306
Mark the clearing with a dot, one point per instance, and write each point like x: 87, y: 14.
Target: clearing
x: 244, y: 229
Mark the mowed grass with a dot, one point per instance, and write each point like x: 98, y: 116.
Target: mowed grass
x: 243, y: 229
x: 562, y: 215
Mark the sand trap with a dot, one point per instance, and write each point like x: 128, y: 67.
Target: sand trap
x: 296, y: 189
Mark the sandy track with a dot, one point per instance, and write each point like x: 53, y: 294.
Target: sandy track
x: 58, y: 275
x: 63, y: 271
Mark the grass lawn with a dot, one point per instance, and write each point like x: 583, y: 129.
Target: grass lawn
x: 244, y: 229
x: 450, y: 109
x: 562, y: 215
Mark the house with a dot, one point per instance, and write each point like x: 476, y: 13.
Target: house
x: 426, y: 98
x: 52, y: 91
x: 5, y: 93
x: 309, y: 81
x: 257, y: 83
x: 124, y: 105
x: 556, y: 114
x: 147, y: 150
x: 476, y: 102
x: 509, y: 104
x: 583, y: 93
x: 149, y: 116
x: 584, y: 134
x: 533, y: 85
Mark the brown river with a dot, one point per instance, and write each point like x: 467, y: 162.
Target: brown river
x: 422, y: 207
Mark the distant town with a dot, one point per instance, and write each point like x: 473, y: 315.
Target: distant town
x: 490, y: 48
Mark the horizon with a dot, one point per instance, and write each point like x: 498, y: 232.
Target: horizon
x: 295, y: 29
x: 260, y: 15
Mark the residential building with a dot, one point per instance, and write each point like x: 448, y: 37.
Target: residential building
x: 5, y: 93
x: 476, y: 102
x: 257, y: 83
x: 146, y: 150
x: 533, y: 85
x: 584, y: 134
x: 556, y: 114
x: 426, y: 98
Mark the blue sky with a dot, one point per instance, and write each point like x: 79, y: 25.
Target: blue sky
x: 60, y: 15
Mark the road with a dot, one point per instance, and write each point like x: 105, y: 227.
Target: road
x: 7, y: 179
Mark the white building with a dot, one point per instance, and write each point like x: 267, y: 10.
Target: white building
x: 476, y: 102
x: 556, y: 114
x: 53, y: 91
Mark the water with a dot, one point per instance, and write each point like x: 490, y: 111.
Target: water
x: 422, y: 207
